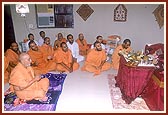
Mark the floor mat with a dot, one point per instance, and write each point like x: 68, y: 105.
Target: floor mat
x: 55, y: 89
x: 119, y: 103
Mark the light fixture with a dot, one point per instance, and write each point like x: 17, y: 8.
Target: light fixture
x: 22, y: 9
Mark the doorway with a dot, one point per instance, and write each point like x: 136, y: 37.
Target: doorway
x: 9, y: 35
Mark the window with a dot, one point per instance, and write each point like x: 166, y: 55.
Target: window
x: 54, y: 15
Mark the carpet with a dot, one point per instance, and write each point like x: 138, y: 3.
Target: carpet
x: 54, y: 91
x: 119, y: 103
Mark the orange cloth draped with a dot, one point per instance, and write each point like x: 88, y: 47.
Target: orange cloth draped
x: 116, y: 58
x: 66, y: 58
x: 94, y: 60
x: 12, y: 57
x: 47, y: 50
x: 57, y: 43
x: 82, y: 47
x: 21, y: 76
x: 6, y: 73
x: 43, y: 65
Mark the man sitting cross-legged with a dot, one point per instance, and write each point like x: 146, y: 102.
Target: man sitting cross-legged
x: 39, y: 63
x: 64, y: 60
x: 47, y: 50
x: 12, y: 54
x: 96, y: 60
x: 58, y: 41
x: 73, y: 46
x: 83, y: 46
x: 26, y: 85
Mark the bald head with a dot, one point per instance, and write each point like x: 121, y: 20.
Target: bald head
x: 24, y: 58
x: 81, y: 36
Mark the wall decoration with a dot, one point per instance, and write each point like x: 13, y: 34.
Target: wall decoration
x: 120, y: 13
x: 159, y: 15
x: 85, y: 11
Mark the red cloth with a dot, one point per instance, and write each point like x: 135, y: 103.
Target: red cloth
x: 154, y: 92
x: 132, y: 80
x: 152, y: 48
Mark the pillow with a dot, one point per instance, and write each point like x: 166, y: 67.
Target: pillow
x: 159, y: 52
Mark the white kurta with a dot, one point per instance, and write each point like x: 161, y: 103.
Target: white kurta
x: 102, y: 45
x: 75, y: 51
x: 40, y: 41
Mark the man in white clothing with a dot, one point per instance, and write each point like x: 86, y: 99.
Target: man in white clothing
x: 99, y: 39
x: 31, y: 37
x: 41, y: 40
x: 73, y: 46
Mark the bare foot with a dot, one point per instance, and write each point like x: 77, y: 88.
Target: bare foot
x: 44, y: 98
x: 96, y: 73
x: 16, y: 102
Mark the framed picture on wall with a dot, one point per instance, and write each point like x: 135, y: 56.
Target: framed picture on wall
x: 120, y: 13
x: 64, y: 21
x: 63, y: 8
x: 64, y: 16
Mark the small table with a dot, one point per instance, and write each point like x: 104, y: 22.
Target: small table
x: 132, y: 80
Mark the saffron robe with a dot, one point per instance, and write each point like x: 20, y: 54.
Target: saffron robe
x: 43, y: 66
x: 12, y: 57
x: 47, y: 50
x: 115, y: 56
x: 94, y: 60
x: 58, y: 42
x: 65, y: 57
x: 6, y: 72
x: 83, y: 48
x: 21, y: 76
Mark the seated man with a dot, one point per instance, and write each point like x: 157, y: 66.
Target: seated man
x: 47, y: 49
x: 6, y: 70
x: 99, y: 39
x: 41, y: 40
x: 31, y: 37
x: 64, y: 60
x: 124, y: 48
x: 12, y: 55
x: 96, y: 60
x: 83, y: 48
x: 73, y: 46
x: 39, y: 63
x: 58, y: 41
x: 26, y: 85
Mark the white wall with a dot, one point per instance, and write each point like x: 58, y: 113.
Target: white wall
x: 141, y: 25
